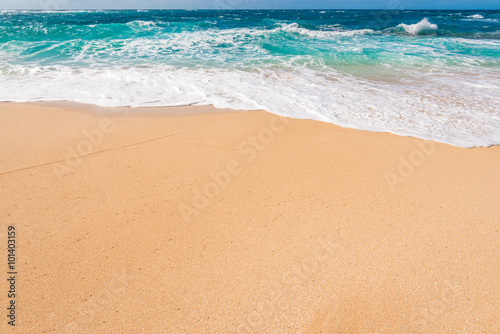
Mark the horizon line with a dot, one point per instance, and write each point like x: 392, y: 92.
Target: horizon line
x: 255, y: 9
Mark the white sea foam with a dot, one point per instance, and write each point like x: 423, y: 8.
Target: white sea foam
x: 456, y: 108
x: 480, y: 18
x: 421, y: 27
x: 188, y: 43
x: 139, y: 24
x: 294, y: 28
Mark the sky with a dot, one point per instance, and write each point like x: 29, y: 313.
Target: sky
x: 249, y: 4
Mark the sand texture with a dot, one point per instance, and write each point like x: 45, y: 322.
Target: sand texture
x: 146, y: 221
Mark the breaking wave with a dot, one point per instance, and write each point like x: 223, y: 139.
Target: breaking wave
x: 423, y: 27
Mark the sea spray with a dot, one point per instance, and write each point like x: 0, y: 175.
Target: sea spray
x: 420, y: 28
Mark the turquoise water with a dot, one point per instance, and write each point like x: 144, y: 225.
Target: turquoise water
x: 430, y: 74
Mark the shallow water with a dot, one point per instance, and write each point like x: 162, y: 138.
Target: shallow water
x: 430, y: 74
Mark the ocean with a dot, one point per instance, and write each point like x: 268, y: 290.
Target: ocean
x: 429, y: 74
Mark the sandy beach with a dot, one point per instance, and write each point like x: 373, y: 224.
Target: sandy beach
x: 197, y: 220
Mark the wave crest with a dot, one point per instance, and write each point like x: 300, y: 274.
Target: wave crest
x: 421, y: 28
x: 295, y: 28
x: 141, y: 24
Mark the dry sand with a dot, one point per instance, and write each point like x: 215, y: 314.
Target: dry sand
x: 243, y: 222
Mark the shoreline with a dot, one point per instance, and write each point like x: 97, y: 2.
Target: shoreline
x: 181, y: 110
x: 194, y: 109
x: 244, y: 221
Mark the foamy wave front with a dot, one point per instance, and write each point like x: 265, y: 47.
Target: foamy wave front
x: 419, y: 28
x: 459, y: 109
x: 139, y: 24
x: 294, y: 28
